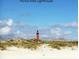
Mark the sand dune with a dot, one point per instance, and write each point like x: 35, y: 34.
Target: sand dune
x: 43, y: 52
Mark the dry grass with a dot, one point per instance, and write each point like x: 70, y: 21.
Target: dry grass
x: 20, y: 43
x: 34, y: 44
x: 59, y: 44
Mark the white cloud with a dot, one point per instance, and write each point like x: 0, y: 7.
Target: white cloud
x: 57, y: 32
x: 68, y: 32
x: 0, y: 22
x: 71, y: 24
x: 21, y: 29
x: 44, y: 35
x: 6, y: 26
x: 19, y: 33
x: 9, y: 22
x: 5, y: 30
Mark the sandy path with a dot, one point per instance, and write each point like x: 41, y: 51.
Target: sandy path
x: 44, y: 52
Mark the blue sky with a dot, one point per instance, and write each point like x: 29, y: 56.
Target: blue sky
x: 40, y: 14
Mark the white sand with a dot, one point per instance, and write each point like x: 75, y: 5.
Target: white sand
x: 43, y: 52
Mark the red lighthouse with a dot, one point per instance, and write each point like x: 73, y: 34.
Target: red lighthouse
x: 37, y: 35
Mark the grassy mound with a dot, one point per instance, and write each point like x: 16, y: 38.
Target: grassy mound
x: 59, y: 44
x: 34, y: 43
x: 21, y: 43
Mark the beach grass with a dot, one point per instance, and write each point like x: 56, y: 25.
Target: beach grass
x: 59, y: 44
x: 34, y: 43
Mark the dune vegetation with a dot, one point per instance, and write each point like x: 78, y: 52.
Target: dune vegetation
x: 59, y: 44
x: 34, y: 43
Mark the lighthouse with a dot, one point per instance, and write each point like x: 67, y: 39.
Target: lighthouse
x: 37, y: 35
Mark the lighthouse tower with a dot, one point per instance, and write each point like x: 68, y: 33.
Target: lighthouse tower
x: 37, y: 35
